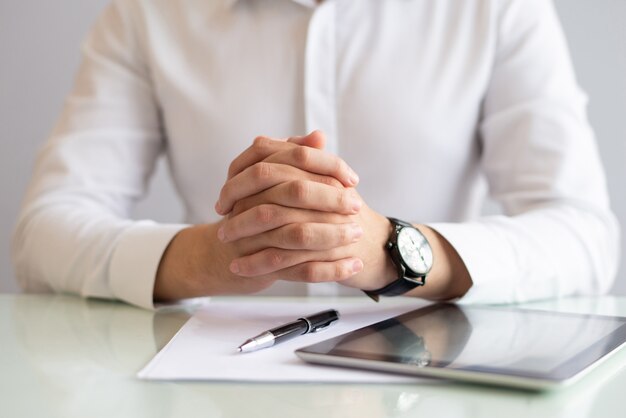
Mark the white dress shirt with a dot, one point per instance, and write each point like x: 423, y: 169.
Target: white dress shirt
x: 434, y: 103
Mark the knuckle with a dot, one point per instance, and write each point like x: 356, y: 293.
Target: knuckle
x: 302, y: 155
x: 225, y: 192
x: 311, y: 274
x: 274, y: 258
x: 308, y: 272
x: 262, y: 171
x: 231, y: 169
x: 335, y: 183
x: 344, y: 235
x: 244, y: 266
x: 343, y: 199
x: 330, y: 181
x: 340, y: 166
x: 302, y: 235
x: 299, y: 190
x: 264, y: 214
x: 340, y: 271
x: 260, y: 142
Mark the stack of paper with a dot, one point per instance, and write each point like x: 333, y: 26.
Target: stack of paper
x: 205, y: 348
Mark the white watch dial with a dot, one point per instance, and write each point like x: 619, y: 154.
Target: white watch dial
x: 415, y: 250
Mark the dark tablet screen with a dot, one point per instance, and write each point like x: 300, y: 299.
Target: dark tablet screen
x: 495, y: 340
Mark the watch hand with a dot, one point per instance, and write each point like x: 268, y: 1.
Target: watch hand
x: 415, y: 249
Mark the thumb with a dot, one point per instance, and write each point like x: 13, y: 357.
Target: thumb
x: 315, y: 139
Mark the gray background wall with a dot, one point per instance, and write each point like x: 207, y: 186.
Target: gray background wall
x: 39, y: 44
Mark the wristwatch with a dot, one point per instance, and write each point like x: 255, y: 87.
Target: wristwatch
x: 412, y: 256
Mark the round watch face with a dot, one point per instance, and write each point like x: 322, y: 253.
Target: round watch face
x: 415, y: 250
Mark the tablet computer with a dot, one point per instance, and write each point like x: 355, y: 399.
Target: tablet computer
x: 494, y: 345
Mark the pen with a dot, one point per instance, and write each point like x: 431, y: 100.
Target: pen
x: 301, y: 326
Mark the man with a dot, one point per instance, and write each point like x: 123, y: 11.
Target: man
x: 425, y: 100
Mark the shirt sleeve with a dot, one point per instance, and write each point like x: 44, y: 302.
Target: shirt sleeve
x: 74, y: 233
x: 557, y: 235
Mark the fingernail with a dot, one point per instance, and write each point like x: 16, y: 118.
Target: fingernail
x: 354, y: 178
x: 355, y: 204
x: 234, y: 267
x: 357, y: 266
x: 218, y: 208
x: 221, y: 234
x: 357, y: 232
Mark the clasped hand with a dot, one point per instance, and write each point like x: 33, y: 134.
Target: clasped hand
x: 291, y: 212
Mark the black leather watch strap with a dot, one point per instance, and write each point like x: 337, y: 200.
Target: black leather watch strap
x: 396, y: 288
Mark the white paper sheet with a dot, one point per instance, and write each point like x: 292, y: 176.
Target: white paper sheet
x: 205, y: 348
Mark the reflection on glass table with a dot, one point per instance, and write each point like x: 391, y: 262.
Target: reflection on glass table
x: 67, y: 357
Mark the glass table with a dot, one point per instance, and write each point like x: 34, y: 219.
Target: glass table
x: 62, y: 356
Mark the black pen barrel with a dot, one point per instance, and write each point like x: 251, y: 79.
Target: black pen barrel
x: 323, y: 319
x: 290, y: 330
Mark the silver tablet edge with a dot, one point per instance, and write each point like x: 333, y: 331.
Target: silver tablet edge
x: 453, y: 374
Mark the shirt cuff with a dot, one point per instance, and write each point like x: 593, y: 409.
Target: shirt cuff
x: 478, y: 248
x: 135, y: 261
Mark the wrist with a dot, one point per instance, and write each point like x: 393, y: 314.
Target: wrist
x: 448, y: 278
x: 177, y: 268
x: 196, y: 263
x: 411, y: 256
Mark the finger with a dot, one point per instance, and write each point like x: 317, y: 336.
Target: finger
x: 304, y: 236
x: 272, y: 260
x: 261, y: 148
x: 323, y: 271
x: 316, y: 161
x: 259, y: 177
x: 267, y: 217
x: 258, y: 199
x: 326, y: 238
x: 303, y: 194
x: 312, y: 236
x: 315, y: 139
